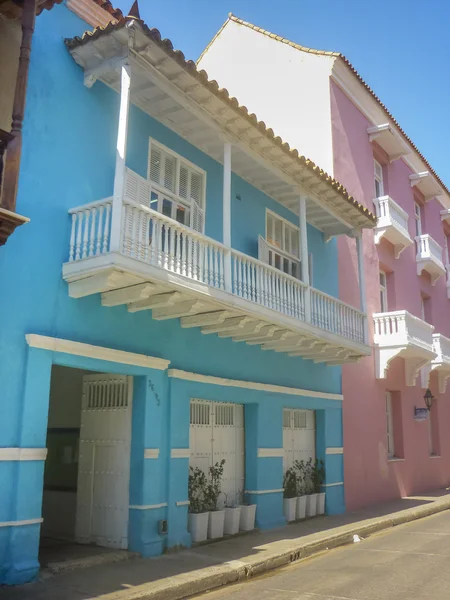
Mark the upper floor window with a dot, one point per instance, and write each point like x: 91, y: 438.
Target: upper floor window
x: 178, y: 186
x: 282, y: 248
x: 383, y: 292
x: 418, y: 217
x: 378, y: 178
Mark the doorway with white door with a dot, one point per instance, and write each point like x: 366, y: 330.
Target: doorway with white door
x: 87, y: 471
x: 299, y: 436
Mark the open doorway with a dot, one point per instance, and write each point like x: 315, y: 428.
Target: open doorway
x: 87, y: 471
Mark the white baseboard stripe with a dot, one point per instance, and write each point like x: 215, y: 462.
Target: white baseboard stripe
x: 23, y: 454
x: 151, y: 453
x: 183, y: 503
x: 259, y: 492
x: 180, y: 453
x: 99, y: 352
x: 335, y: 451
x: 21, y: 523
x: 332, y: 484
x: 148, y: 506
x: 270, y: 452
x: 251, y: 385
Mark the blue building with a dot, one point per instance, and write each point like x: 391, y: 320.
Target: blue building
x: 172, y: 301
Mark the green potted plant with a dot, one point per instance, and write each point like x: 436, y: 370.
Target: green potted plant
x: 299, y: 466
x: 290, y: 494
x: 232, y: 514
x: 198, y: 512
x: 216, y: 520
x: 319, y: 480
x: 311, y: 494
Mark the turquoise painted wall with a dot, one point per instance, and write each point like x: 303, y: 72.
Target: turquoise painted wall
x: 68, y: 160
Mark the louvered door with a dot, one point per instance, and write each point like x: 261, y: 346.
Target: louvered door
x: 104, y: 461
x: 216, y: 433
x: 299, y: 436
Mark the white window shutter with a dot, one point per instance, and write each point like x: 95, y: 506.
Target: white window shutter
x: 155, y: 164
x: 197, y: 217
x: 263, y: 250
x: 184, y: 182
x: 137, y: 189
x: 169, y: 173
x: 196, y: 187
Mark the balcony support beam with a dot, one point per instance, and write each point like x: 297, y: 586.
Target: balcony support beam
x: 303, y: 245
x: 362, y: 281
x: 121, y: 154
x: 227, y: 213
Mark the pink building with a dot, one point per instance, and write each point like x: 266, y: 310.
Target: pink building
x: 317, y: 101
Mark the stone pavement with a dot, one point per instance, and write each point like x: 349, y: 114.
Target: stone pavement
x: 183, y: 574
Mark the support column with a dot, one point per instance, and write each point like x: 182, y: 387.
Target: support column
x: 121, y: 152
x: 329, y: 448
x: 362, y: 281
x: 227, y: 213
x: 304, y: 255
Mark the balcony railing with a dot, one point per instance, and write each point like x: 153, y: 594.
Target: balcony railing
x: 392, y: 224
x: 441, y: 346
x: 157, y: 240
x: 429, y: 257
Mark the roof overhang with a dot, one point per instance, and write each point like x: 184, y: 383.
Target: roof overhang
x: 389, y: 140
x: 426, y: 184
x: 171, y: 90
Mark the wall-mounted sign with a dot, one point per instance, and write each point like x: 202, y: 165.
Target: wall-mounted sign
x: 420, y: 414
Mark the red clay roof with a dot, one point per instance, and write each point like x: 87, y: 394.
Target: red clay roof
x: 223, y: 94
x: 232, y: 17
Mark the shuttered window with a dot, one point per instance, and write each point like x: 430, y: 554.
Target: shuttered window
x: 177, y: 187
x: 281, y: 249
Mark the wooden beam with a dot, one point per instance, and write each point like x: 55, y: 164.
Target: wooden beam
x: 203, y: 319
x: 337, y: 354
x: 253, y: 327
x: 157, y: 301
x: 286, y: 338
x: 266, y: 332
x: 234, y: 323
x: 314, y: 351
x: 182, y: 309
x: 95, y: 284
x: 275, y: 335
x: 126, y: 295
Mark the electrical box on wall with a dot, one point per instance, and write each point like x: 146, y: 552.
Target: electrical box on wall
x: 163, y: 527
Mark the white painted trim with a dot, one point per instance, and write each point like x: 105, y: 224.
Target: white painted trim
x: 147, y: 506
x: 270, y: 452
x: 434, y: 456
x: 394, y: 459
x: 21, y: 523
x: 99, y: 352
x: 259, y: 492
x: 151, y: 453
x: 183, y: 503
x: 250, y: 385
x: 334, y: 451
x: 332, y: 484
x: 180, y: 453
x: 7, y: 454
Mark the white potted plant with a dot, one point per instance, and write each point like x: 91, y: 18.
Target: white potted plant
x: 301, y: 498
x: 290, y: 494
x: 319, y: 480
x: 247, y: 518
x: 311, y: 494
x: 232, y: 517
x: 198, y: 514
x: 216, y: 520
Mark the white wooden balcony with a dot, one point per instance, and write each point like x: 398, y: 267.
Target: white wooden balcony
x: 160, y: 265
x: 429, y: 257
x: 400, y: 334
x: 392, y: 224
x: 447, y: 268
x: 441, y: 364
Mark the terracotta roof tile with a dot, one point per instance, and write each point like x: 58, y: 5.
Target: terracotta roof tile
x: 232, y: 17
x: 212, y: 86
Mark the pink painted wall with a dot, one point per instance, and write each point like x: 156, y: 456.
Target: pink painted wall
x: 369, y: 476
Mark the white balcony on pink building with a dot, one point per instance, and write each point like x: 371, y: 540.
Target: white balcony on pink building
x: 392, y: 224
x: 429, y: 257
x: 399, y: 334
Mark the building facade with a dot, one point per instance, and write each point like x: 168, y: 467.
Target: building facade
x: 172, y: 301
x: 388, y: 451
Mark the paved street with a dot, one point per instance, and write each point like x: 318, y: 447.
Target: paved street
x: 410, y: 562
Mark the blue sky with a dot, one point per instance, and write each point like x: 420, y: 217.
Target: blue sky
x: 400, y: 47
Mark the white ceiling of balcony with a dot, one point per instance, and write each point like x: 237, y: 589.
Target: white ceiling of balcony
x: 162, y: 88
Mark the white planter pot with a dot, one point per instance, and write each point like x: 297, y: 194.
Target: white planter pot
x: 215, y: 524
x: 301, y: 507
x: 290, y: 508
x: 247, y: 519
x: 321, y: 503
x: 198, y: 526
x: 232, y: 517
x: 311, y: 505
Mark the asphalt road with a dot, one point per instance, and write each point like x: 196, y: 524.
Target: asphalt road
x: 409, y: 562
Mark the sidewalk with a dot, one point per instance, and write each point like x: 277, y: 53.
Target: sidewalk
x: 183, y: 574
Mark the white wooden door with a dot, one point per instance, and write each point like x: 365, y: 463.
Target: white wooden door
x: 104, y: 461
x: 299, y: 436
x: 216, y: 433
